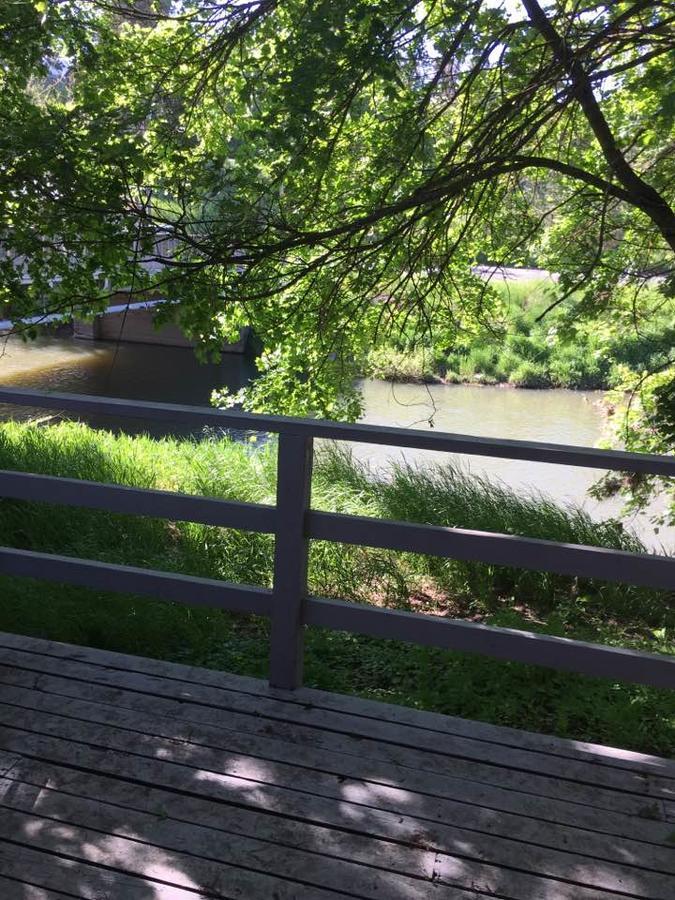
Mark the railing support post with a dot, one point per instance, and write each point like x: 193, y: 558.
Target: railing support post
x: 294, y: 480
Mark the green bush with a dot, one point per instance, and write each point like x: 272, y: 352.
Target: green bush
x: 526, y: 299
x: 507, y: 364
x: 390, y: 364
x: 580, y: 367
x: 480, y: 361
x: 527, y: 348
x: 644, y: 350
x: 530, y: 375
x: 560, y: 350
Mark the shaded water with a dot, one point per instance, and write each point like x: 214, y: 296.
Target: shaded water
x: 149, y: 372
x: 129, y: 371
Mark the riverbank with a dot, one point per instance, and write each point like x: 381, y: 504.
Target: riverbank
x: 460, y: 684
x: 526, y: 347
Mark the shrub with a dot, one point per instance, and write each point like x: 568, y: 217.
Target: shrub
x: 438, y: 359
x: 528, y: 348
x: 451, y: 377
x: 507, y: 364
x: 580, y: 366
x: 389, y: 364
x: 526, y: 298
x: 480, y: 361
x: 531, y: 375
x: 453, y: 361
x: 643, y: 351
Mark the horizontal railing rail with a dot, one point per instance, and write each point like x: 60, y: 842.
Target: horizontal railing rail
x: 294, y: 523
x: 138, y: 501
x: 175, y: 414
x: 642, y: 569
x: 189, y: 590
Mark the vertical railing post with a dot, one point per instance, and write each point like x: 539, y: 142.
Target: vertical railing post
x: 294, y: 480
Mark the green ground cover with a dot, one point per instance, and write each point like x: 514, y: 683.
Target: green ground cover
x: 527, y: 352
x: 460, y: 684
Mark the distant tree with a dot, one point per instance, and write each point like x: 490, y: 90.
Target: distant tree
x: 333, y: 168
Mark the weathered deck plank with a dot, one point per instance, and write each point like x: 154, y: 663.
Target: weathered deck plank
x: 124, y: 777
x: 54, y: 872
x: 203, y: 745
x: 295, y: 842
x: 439, y: 877
x: 600, y: 786
x: 187, y: 720
x: 11, y: 889
x: 597, y: 754
x: 442, y: 839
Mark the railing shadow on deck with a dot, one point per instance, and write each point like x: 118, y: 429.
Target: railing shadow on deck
x: 294, y: 523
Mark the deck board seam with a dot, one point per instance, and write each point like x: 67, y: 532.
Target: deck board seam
x: 439, y: 856
x: 162, y: 789
x: 651, y: 799
x: 220, y: 830
x: 653, y: 802
x: 395, y: 768
x: 113, y: 869
x: 319, y: 824
x: 38, y: 688
x: 303, y: 704
x: 109, y: 768
x: 198, y: 856
x: 196, y: 741
x: 367, y: 780
x: 51, y: 892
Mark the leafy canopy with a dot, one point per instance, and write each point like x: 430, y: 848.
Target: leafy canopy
x: 329, y: 170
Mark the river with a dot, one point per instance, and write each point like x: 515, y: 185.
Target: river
x: 147, y: 372
x: 131, y: 371
x: 553, y: 416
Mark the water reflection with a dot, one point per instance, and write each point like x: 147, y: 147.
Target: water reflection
x: 129, y: 371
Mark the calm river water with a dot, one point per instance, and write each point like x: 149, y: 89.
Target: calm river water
x: 174, y: 375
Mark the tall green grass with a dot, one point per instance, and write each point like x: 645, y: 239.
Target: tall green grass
x: 447, y: 496
x: 457, y: 683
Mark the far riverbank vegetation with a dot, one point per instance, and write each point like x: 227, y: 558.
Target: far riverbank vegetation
x: 530, y: 349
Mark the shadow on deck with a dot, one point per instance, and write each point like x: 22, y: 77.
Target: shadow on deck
x: 129, y: 778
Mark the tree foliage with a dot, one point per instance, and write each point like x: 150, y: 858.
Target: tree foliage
x: 329, y: 169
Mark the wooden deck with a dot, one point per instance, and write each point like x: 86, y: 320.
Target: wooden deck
x: 131, y: 779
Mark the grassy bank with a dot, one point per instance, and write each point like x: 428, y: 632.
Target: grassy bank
x: 461, y: 684
x: 526, y: 352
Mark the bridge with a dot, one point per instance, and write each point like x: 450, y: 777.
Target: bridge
x: 134, y: 323
x: 129, y: 322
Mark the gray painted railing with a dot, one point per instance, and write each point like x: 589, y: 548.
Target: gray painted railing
x: 294, y: 523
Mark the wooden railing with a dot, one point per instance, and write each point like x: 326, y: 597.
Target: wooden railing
x: 294, y: 524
